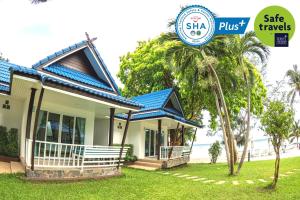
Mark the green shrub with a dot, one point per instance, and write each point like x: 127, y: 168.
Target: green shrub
x: 129, y: 155
x: 12, y: 145
x: 9, y: 142
x: 215, y: 151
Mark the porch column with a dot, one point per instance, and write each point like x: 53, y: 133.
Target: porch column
x: 111, y: 127
x: 37, y: 113
x: 158, y: 139
x: 124, y: 137
x: 182, y: 135
x: 29, y: 112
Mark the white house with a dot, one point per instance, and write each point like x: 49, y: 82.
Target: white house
x: 69, y: 113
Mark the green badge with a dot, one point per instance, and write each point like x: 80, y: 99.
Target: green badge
x: 274, y: 26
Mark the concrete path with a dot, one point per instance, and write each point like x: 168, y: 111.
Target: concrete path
x: 5, y: 168
x: 221, y: 182
x: 12, y: 167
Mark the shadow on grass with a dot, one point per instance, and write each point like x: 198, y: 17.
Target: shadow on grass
x: 267, y: 189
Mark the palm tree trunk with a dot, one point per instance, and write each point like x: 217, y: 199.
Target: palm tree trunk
x: 223, y: 128
x: 226, y: 115
x: 248, y: 126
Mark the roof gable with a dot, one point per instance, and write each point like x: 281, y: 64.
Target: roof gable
x: 164, y: 99
x: 154, y: 100
x: 83, y: 58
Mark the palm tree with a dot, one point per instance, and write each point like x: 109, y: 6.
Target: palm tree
x: 294, y: 82
x: 241, y: 47
x: 183, y: 57
x: 296, y: 133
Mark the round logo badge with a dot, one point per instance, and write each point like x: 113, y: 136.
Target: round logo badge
x: 195, y: 25
x: 274, y: 26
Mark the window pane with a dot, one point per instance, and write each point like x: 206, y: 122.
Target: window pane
x: 41, y: 126
x: 147, y: 141
x: 53, y: 127
x: 67, y: 130
x: 152, y: 144
x: 79, y: 131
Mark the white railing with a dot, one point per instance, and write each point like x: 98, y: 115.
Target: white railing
x: 60, y: 155
x: 173, y: 152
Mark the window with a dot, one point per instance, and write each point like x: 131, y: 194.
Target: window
x: 67, y: 129
x: 60, y: 128
x: 53, y: 123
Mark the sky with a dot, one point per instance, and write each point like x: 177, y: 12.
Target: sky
x: 31, y: 32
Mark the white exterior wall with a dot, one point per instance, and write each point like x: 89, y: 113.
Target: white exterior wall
x: 13, y: 118
x: 136, y: 135
x: 101, y: 132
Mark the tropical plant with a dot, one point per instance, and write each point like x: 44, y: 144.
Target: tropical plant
x: 296, y: 133
x: 277, y: 122
x: 240, y: 48
x: 214, y: 152
x: 294, y: 82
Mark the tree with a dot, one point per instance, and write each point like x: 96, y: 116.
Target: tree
x: 294, y: 82
x: 215, y: 151
x: 145, y: 70
x: 277, y: 122
x: 296, y: 133
x: 240, y: 47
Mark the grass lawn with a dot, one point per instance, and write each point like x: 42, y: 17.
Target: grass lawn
x: 138, y: 184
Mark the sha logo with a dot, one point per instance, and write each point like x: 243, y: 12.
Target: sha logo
x: 195, y: 25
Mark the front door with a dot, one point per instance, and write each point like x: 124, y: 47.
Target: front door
x: 150, y: 142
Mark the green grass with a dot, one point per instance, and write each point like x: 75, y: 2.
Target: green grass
x: 138, y: 184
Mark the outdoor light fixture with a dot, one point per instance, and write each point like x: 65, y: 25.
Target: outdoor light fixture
x: 6, y: 105
x: 120, y: 126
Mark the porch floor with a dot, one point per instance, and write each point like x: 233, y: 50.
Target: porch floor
x: 11, y: 167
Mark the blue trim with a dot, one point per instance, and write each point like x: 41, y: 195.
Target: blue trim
x: 158, y: 114
x: 106, y: 69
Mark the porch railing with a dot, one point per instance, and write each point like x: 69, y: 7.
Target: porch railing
x: 173, y: 152
x: 60, y: 155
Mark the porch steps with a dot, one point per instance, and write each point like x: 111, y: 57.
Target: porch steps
x: 11, y: 167
x: 143, y: 167
x: 147, y: 164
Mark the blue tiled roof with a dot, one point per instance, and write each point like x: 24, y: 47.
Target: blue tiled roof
x: 75, y: 75
x: 154, y: 100
x: 158, y: 114
x: 59, y: 53
x: 4, y: 88
x: 5, y: 67
x: 119, y: 99
x: 5, y: 73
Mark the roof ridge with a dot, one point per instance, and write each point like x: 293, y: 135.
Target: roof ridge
x: 58, y: 53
